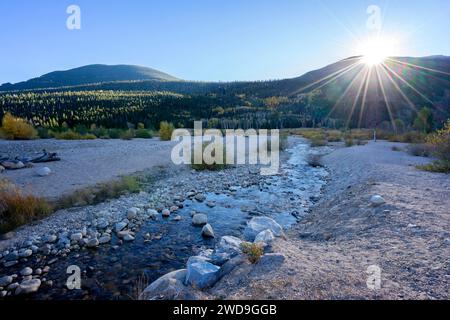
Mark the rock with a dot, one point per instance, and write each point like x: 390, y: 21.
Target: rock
x: 3, y: 293
x: 38, y: 271
x: 43, y: 172
x: 177, y: 218
x: 102, y: 224
x: 120, y: 226
x: 200, y: 197
x: 174, y: 208
x: 377, y: 200
x: 259, y: 224
x: 10, y: 263
x: 5, y: 281
x: 12, y: 256
x: 208, y: 231
x: 104, y: 239
x: 76, y: 236
x: 227, y: 248
x: 166, y: 213
x: 28, y: 286
x: 201, y: 274
x: 13, y: 286
x: 45, y: 249
x: 132, y: 213
x: 265, y: 236
x: 51, y: 238
x: 211, y: 204
x: 153, y: 214
x: 26, y: 253
x: 169, y: 287
x: 199, y: 219
x: 27, y: 271
x: 128, y: 237
x: 192, y: 213
x: 92, y: 243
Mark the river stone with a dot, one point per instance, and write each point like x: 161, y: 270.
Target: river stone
x: 91, y: 243
x: 259, y: 224
x: 169, y: 287
x: 50, y: 238
x: 76, y: 236
x: 102, y: 223
x: 120, y: 226
x: 166, y: 213
x: 128, y: 237
x: 27, y: 271
x: 208, y: 231
x: 6, y: 281
x: 201, y: 274
x: 153, y: 214
x: 132, y: 213
x: 12, y: 256
x: 8, y: 264
x: 28, y: 286
x: 199, y: 219
x: 200, y: 197
x: 265, y: 236
x: 104, y: 239
x: 43, y: 172
x: 377, y: 200
x: 25, y: 253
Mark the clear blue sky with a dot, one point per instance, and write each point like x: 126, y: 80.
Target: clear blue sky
x: 208, y: 39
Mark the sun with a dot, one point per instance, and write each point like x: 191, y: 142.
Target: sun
x: 376, y: 50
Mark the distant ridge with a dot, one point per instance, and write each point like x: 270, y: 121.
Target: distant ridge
x: 90, y: 74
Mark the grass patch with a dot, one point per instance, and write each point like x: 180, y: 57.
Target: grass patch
x: 165, y: 131
x: 100, y: 193
x: 436, y: 166
x: 254, y: 251
x: 17, y: 208
x: 143, y: 134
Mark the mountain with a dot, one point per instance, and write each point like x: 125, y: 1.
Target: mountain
x: 91, y: 74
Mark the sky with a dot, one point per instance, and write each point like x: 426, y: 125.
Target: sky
x: 210, y: 40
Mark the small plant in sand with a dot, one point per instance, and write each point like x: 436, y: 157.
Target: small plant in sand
x: 254, y: 251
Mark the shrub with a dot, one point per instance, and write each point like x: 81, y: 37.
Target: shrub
x: 17, y: 128
x: 165, y: 131
x: 439, y: 143
x: 211, y: 167
x: 114, y: 133
x: 419, y: 150
x: 17, y: 209
x: 349, y: 142
x: 254, y: 251
x: 71, y: 135
x: 314, y: 160
x: 127, y: 135
x: 44, y: 133
x: 396, y: 148
x: 143, y: 134
x: 333, y: 136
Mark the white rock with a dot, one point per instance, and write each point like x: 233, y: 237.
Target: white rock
x: 208, y: 231
x: 265, y: 236
x: 28, y: 286
x: 43, y: 172
x: 377, y: 200
x: 104, y: 239
x: 199, y: 219
x: 259, y: 224
x: 166, y: 213
x: 76, y: 236
x: 25, y: 253
x: 27, y: 271
x: 132, y: 213
x: 153, y: 214
x: 120, y: 226
x: 128, y: 237
x: 91, y: 243
x: 169, y: 287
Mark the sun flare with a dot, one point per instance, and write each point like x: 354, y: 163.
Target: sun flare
x: 376, y: 50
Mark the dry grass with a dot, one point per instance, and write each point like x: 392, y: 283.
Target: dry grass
x: 17, y: 208
x: 100, y: 193
x: 72, y: 135
x: 165, y: 131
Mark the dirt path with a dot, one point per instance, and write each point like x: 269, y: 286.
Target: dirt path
x: 84, y: 163
x: 327, y: 255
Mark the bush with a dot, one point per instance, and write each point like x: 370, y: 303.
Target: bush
x: 127, y: 135
x: 314, y: 160
x: 439, y: 143
x: 349, y: 142
x: 17, y: 129
x: 44, y: 133
x: 254, y: 251
x: 17, y: 209
x: 396, y: 148
x: 211, y: 167
x: 165, y: 131
x: 114, y: 133
x: 143, y: 134
x: 419, y: 150
x: 71, y: 135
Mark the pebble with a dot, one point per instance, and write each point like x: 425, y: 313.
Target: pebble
x: 76, y: 236
x: 28, y: 286
x: 104, y: 239
x: 166, y: 213
x: 27, y: 271
x: 128, y: 237
x: 199, y: 219
x: 6, y: 281
x: 208, y: 231
x: 92, y: 243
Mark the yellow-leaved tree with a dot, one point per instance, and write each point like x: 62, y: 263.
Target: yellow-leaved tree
x: 17, y: 128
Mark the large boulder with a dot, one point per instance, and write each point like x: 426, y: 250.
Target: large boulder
x: 227, y: 248
x: 265, y: 237
x: 169, y: 287
x: 201, y: 274
x: 259, y: 224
